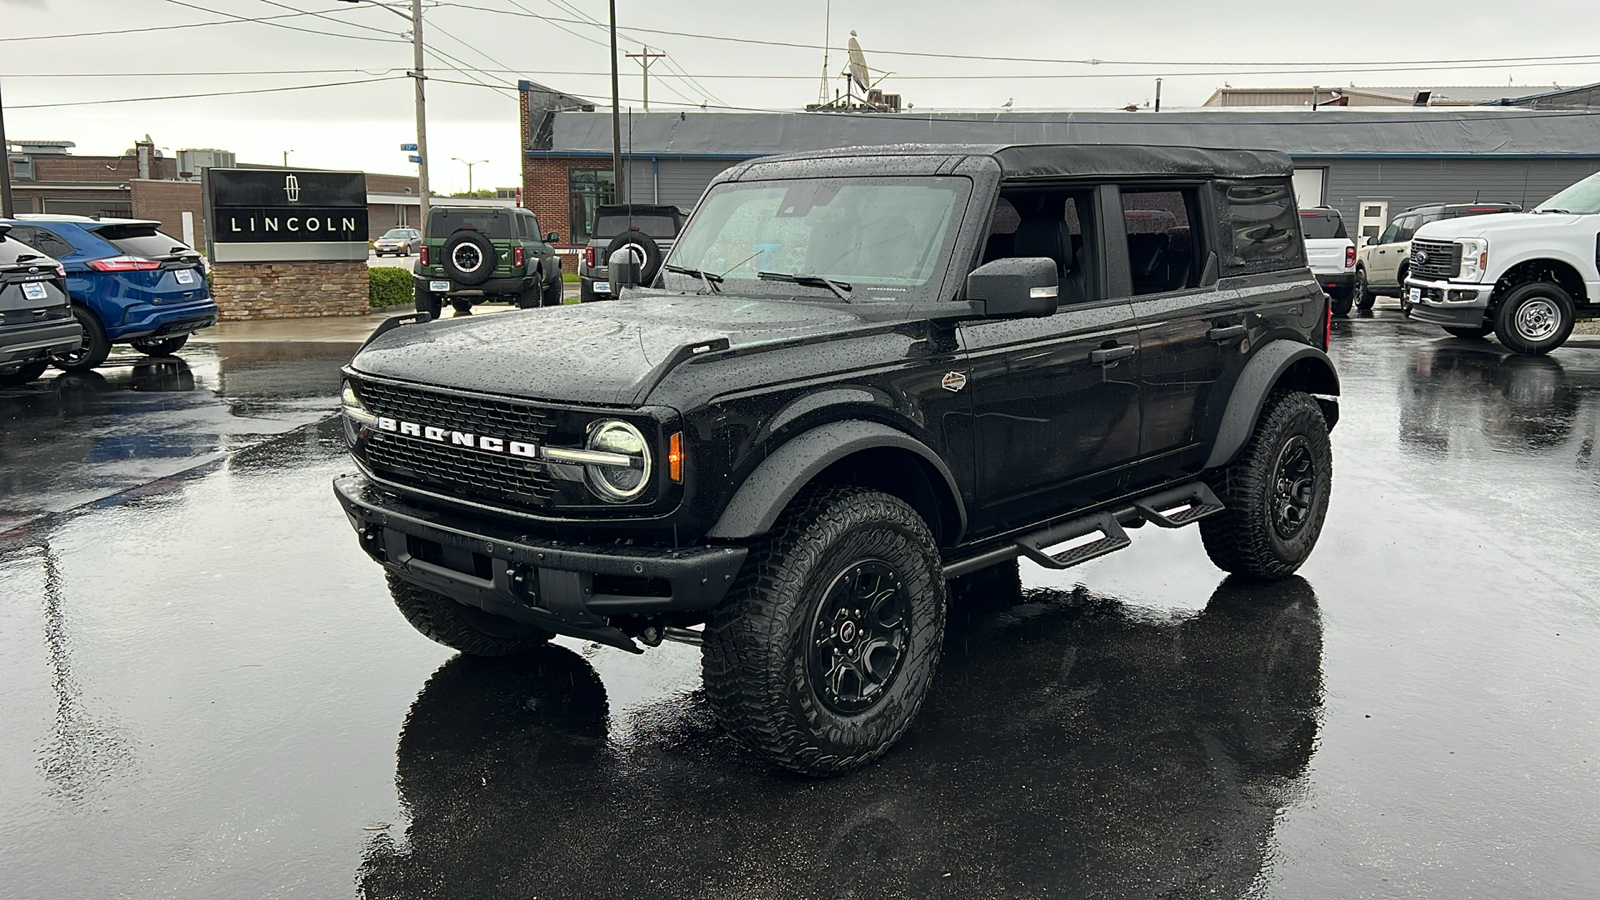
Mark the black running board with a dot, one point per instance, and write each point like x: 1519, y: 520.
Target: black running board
x: 1171, y: 508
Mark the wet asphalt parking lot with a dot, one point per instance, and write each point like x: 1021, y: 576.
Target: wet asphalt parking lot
x: 207, y: 692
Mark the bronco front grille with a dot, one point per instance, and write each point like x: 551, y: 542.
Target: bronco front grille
x: 1435, y: 259
x: 452, y: 469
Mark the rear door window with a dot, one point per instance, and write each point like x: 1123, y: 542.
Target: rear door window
x: 1161, y: 239
x: 141, y: 240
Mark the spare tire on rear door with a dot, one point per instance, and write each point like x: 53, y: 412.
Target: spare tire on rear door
x: 645, y: 249
x: 469, y: 257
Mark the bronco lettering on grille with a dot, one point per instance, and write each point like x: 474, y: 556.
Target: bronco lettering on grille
x: 458, y: 438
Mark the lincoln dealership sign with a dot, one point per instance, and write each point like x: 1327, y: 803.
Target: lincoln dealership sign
x: 274, y: 215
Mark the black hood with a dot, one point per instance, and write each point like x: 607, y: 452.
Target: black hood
x: 609, y: 353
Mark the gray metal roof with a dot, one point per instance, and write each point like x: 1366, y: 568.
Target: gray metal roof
x: 1361, y: 131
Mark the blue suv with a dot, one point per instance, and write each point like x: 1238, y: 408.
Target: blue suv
x: 129, y: 283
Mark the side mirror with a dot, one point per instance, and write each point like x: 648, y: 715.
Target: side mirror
x: 1021, y: 287
x: 1368, y: 241
x: 552, y: 237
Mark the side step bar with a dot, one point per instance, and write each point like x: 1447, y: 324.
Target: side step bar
x: 1171, y: 508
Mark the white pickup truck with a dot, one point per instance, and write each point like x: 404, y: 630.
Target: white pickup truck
x: 1526, y: 277
x: 1330, y: 253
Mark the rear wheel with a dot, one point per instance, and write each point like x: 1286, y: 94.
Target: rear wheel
x: 427, y: 302
x: 96, y: 346
x: 825, y: 648
x: 1275, y: 492
x: 161, y: 346
x: 1534, y: 318
x: 461, y: 307
x: 553, y: 292
x: 24, y: 373
x: 1360, y: 293
x: 529, y: 297
x: 1341, y: 303
x: 462, y: 627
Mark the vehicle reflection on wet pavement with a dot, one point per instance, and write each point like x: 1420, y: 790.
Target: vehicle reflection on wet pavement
x: 210, y: 694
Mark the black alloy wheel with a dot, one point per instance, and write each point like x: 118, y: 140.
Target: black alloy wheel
x: 96, y: 346
x: 1360, y: 293
x: 859, y: 636
x: 1294, y: 487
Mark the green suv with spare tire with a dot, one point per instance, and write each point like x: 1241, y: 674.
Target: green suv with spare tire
x: 477, y: 254
x: 863, y: 384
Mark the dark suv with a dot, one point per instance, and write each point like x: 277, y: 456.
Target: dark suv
x: 36, y: 321
x: 474, y: 254
x: 648, y: 230
x: 862, y: 374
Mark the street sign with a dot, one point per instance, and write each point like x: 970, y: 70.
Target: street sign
x: 411, y: 147
x: 416, y: 159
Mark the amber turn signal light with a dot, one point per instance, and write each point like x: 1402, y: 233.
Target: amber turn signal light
x: 675, y: 457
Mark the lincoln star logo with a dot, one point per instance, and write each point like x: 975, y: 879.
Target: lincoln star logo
x: 458, y: 438
x: 291, y: 186
x: 953, y: 381
x: 1420, y: 257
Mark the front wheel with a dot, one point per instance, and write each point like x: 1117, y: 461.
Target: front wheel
x: 1534, y: 318
x: 462, y: 627
x: 1275, y: 492
x: 161, y: 346
x: 824, y: 649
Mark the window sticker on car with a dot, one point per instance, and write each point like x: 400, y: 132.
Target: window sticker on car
x: 185, y: 276
x: 34, y: 290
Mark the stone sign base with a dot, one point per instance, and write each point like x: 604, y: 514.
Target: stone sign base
x: 289, y: 290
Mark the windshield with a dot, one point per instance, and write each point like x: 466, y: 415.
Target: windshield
x: 397, y: 233
x: 1322, y: 225
x: 1582, y: 198
x: 495, y: 223
x: 886, y: 237
x: 141, y: 240
x: 655, y: 226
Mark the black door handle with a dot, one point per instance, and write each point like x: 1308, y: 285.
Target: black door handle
x: 1107, y: 355
x: 1225, y: 333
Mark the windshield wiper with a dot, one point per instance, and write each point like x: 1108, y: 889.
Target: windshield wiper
x: 1544, y: 210
x: 711, y: 279
x: 841, y: 289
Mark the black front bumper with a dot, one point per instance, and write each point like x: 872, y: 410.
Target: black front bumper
x: 569, y: 589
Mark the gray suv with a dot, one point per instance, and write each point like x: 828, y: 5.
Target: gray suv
x: 36, y: 322
x: 650, y: 230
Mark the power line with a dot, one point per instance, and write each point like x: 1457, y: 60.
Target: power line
x: 270, y: 90
x: 125, y: 31
x: 269, y: 20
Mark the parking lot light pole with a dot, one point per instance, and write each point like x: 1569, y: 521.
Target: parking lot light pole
x: 415, y: 18
x: 5, y: 167
x: 469, y: 163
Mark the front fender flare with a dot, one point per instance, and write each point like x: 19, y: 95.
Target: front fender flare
x: 763, y: 496
x: 1261, y: 374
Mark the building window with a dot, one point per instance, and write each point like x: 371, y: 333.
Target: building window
x: 587, y: 189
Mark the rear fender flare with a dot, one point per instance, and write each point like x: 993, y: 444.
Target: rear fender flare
x: 1304, y: 367
x: 763, y: 496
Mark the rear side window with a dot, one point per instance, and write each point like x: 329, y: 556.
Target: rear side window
x: 1318, y: 224
x: 47, y: 242
x: 655, y: 226
x: 141, y: 240
x: 494, y: 223
x: 1260, y: 230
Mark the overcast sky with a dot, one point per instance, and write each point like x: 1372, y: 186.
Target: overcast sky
x: 1194, y: 45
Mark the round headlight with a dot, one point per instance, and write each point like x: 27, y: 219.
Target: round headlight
x: 629, y: 475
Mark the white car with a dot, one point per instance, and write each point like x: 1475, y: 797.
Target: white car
x: 1526, y: 277
x: 399, y: 241
x: 1330, y: 253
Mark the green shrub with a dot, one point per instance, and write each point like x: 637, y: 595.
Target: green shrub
x: 389, y: 286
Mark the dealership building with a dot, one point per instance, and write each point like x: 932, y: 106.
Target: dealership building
x: 1368, y: 162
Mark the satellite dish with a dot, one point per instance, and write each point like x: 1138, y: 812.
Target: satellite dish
x: 858, y: 63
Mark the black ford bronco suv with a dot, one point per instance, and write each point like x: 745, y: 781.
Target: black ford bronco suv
x: 477, y: 253
x: 860, y: 375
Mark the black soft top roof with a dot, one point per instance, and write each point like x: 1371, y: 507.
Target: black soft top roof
x: 1039, y: 161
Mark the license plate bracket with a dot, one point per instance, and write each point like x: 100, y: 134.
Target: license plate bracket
x: 438, y: 286
x: 602, y: 287
x: 185, y: 276
x: 34, y: 290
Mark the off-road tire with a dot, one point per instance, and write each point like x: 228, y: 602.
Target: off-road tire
x: 161, y: 346
x: 1468, y: 333
x: 96, y: 346
x: 428, y: 302
x: 24, y: 373
x: 762, y: 643
x: 1360, y: 292
x: 553, y: 292
x: 530, y: 297
x: 462, y: 627
x: 1534, y: 318
x: 1340, y: 303
x: 472, y: 245
x: 1255, y: 535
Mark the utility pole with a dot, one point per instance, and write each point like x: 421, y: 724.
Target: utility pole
x: 645, y: 59
x: 286, y: 158
x: 469, y: 163
x: 1158, y: 95
x: 416, y: 74
x: 619, y: 188
x: 5, y: 167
